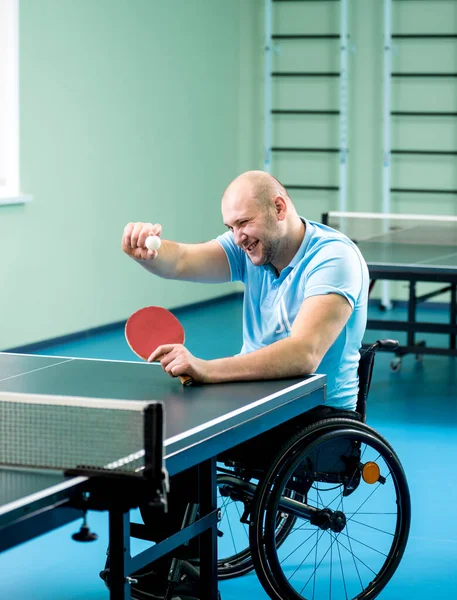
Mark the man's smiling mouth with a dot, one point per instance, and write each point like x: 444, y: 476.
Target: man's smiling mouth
x: 251, y: 247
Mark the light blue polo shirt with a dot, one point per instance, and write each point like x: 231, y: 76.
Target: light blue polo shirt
x: 327, y: 262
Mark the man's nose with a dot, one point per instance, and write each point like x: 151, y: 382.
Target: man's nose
x: 240, y: 237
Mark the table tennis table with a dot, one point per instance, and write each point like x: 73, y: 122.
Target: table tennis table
x: 200, y: 423
x: 412, y: 248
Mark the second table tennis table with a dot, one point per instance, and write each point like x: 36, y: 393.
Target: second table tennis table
x: 412, y: 248
x: 200, y: 423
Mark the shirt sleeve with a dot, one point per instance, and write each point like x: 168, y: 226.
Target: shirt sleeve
x: 235, y: 256
x: 335, y: 268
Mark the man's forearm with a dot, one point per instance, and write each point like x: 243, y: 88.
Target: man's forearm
x: 167, y: 261
x: 285, y: 358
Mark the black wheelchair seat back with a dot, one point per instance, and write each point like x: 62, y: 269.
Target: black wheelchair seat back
x: 332, y: 459
x: 365, y: 372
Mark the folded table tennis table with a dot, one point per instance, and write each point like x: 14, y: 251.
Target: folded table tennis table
x: 48, y: 403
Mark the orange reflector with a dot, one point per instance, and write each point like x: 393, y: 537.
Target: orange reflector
x: 370, y: 472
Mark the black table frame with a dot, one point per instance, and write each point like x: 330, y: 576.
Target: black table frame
x: 113, y: 495
x: 414, y: 274
x: 412, y: 326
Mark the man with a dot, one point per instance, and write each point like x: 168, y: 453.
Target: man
x: 306, y: 289
x: 305, y: 304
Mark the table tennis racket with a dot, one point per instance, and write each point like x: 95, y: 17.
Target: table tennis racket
x: 151, y: 327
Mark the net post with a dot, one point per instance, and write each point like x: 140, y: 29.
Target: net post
x: 153, y: 449
x: 153, y: 439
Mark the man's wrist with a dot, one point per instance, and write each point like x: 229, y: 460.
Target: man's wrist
x: 218, y: 370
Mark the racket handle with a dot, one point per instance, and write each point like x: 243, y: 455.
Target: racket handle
x: 186, y: 379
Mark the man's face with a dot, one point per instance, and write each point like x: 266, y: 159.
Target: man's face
x: 255, y: 229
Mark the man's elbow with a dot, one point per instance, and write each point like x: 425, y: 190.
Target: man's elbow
x: 311, y: 364
x: 307, y: 360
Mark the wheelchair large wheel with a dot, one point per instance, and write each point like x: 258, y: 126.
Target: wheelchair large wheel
x: 351, y: 502
x: 234, y: 498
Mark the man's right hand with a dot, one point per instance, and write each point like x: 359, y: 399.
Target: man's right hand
x: 204, y: 262
x: 134, y: 238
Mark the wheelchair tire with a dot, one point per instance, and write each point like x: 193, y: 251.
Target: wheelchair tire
x: 349, y: 566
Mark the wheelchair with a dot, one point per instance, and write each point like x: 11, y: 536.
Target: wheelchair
x: 328, y: 517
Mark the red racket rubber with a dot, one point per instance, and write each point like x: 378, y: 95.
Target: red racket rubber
x: 151, y: 327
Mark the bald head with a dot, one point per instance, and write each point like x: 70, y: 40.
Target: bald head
x: 258, y: 210
x: 255, y: 185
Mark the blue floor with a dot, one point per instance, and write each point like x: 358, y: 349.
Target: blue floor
x: 415, y: 409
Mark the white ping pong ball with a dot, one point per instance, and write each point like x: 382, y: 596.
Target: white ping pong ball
x: 153, y: 242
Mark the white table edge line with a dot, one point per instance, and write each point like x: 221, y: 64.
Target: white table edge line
x: 42, y: 494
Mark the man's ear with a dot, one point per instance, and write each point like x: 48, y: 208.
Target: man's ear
x: 280, y: 207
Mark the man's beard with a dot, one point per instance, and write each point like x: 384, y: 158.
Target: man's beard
x: 270, y: 248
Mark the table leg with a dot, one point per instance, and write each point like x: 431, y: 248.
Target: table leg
x: 208, y: 539
x: 119, y: 554
x: 453, y: 314
x: 412, y: 312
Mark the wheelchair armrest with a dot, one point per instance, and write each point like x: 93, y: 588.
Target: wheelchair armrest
x: 385, y: 344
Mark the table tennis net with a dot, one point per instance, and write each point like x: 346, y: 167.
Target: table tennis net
x: 53, y: 432
x: 396, y: 229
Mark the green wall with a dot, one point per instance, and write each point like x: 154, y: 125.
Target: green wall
x: 130, y: 110
x: 145, y: 110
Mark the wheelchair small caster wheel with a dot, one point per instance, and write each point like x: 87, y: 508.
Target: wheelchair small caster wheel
x: 395, y: 365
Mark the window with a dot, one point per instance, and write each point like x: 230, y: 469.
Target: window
x: 9, y: 104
